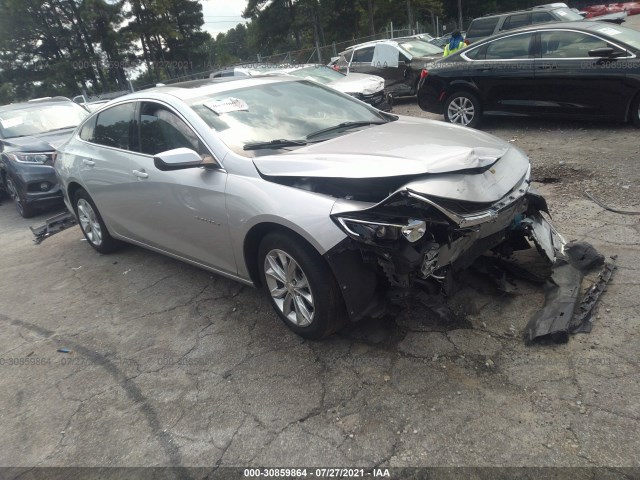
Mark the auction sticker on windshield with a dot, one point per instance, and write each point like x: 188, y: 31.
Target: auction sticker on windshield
x: 226, y: 105
x: 609, y: 31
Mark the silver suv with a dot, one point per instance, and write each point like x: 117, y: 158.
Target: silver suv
x: 493, y: 24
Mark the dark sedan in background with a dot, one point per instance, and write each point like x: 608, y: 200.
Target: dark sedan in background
x: 29, y: 136
x: 576, y: 69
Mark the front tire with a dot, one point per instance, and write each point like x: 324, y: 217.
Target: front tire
x: 635, y: 111
x: 92, y: 225
x: 463, y: 108
x: 300, y: 286
x: 24, y: 209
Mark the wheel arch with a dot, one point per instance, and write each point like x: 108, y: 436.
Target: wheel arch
x: 632, y: 103
x: 252, y: 244
x: 72, y: 188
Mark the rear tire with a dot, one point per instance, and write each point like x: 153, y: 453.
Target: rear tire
x: 91, y: 223
x: 300, y: 286
x: 463, y: 108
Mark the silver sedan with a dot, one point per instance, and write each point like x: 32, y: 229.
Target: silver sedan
x: 293, y: 186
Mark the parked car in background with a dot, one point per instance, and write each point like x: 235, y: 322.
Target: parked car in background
x: 399, y: 62
x: 579, y: 69
x: 286, y: 183
x: 488, y: 25
x: 368, y: 88
x: 443, y: 40
x: 29, y: 135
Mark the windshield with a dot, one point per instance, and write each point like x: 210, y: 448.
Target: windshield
x: 568, y: 15
x: 418, y: 48
x: 621, y: 34
x: 280, y: 111
x: 36, y: 119
x: 318, y: 73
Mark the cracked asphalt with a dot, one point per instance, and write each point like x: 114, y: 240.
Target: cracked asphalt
x: 170, y: 365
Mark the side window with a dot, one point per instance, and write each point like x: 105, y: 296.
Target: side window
x: 541, y: 17
x: 482, y: 27
x: 478, y: 53
x: 114, y: 125
x: 162, y: 130
x: 517, y: 20
x: 568, y: 44
x: 345, y: 59
x: 363, y: 55
x: 88, y: 129
x: 516, y: 46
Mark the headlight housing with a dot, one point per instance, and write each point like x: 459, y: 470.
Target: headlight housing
x: 375, y: 232
x: 38, y: 158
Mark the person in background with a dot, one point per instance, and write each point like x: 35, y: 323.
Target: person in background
x: 456, y: 43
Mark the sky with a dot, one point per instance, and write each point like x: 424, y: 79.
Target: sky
x: 222, y: 15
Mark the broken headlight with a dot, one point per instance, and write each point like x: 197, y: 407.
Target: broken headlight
x: 373, y: 231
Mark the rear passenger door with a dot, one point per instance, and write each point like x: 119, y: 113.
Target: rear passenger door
x: 570, y: 81
x: 106, y: 164
x: 361, y: 60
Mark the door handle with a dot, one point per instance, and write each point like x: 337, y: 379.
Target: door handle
x: 484, y: 69
x: 88, y: 163
x: 140, y: 174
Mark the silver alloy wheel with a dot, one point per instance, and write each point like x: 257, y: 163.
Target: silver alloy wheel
x: 89, y: 222
x: 13, y: 193
x: 289, y: 287
x: 461, y: 111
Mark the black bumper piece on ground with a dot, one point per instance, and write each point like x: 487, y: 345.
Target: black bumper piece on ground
x: 53, y: 225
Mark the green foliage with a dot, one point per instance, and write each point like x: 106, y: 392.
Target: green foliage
x: 60, y: 47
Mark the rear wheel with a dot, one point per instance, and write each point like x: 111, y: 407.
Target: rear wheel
x: 24, y: 209
x: 635, y: 111
x: 301, y: 287
x: 463, y: 108
x: 91, y: 223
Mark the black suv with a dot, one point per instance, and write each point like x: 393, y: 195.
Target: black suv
x: 492, y: 24
x: 29, y: 135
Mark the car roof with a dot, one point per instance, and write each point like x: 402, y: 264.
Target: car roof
x: 582, y: 26
x: 209, y: 86
x: 38, y: 101
x: 389, y: 41
x: 538, y: 8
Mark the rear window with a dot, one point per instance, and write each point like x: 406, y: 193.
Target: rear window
x: 541, y: 17
x: 482, y: 27
x: 516, y: 21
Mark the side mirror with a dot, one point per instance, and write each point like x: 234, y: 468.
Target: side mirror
x: 177, y: 159
x: 605, y: 52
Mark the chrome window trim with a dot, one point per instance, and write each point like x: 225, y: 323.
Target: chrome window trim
x: 463, y: 54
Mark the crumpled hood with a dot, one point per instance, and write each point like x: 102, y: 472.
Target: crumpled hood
x: 45, y: 142
x: 358, y: 83
x: 408, y: 146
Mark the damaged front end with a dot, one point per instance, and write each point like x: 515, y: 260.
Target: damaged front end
x: 415, y: 238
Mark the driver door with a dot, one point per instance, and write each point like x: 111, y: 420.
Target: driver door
x: 182, y: 212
